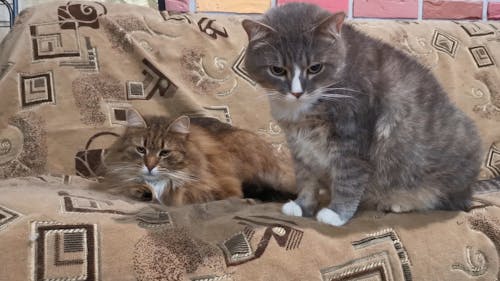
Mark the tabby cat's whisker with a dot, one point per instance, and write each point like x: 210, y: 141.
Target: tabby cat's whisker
x: 180, y: 176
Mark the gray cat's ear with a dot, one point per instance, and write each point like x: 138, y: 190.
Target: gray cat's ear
x: 180, y: 125
x: 332, y: 24
x: 256, y: 30
x: 134, y: 119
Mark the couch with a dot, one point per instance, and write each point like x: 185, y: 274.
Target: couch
x: 70, y: 70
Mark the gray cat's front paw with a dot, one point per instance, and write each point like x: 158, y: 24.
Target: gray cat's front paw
x: 330, y: 217
x: 297, y: 209
x: 395, y: 208
x: 292, y: 209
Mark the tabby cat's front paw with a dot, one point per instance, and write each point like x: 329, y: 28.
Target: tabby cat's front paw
x: 330, y: 217
x: 292, y: 209
x: 141, y: 192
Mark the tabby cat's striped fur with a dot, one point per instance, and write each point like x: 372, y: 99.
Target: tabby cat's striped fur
x: 192, y: 161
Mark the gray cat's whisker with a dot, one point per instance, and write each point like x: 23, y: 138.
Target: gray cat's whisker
x: 334, y: 96
x: 344, y: 89
x: 326, y: 90
x: 326, y: 93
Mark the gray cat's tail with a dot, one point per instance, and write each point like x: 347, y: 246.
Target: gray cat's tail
x: 486, y: 186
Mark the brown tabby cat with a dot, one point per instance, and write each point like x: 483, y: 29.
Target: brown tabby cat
x: 191, y: 161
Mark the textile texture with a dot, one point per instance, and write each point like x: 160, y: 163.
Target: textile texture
x: 70, y: 70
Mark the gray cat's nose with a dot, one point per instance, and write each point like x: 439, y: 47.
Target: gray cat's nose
x: 297, y: 95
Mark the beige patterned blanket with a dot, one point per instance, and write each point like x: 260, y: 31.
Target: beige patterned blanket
x: 70, y: 70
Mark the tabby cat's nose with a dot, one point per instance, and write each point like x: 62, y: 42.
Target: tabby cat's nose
x: 297, y: 95
x: 150, y: 163
x: 151, y: 168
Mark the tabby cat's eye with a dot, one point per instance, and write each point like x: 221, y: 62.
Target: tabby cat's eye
x: 315, y: 68
x: 277, y: 71
x: 164, y: 153
x: 141, y: 150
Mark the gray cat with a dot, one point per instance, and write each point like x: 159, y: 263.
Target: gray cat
x: 363, y: 120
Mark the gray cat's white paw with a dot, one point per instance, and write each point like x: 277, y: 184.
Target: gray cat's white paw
x: 292, y: 209
x: 330, y: 217
x: 396, y: 208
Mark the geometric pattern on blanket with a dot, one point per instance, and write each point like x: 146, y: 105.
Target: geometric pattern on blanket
x: 481, y: 56
x: 444, y: 42
x: 65, y: 252
x: 211, y: 28
x: 83, y: 204
x: 390, y: 236
x: 493, y: 160
x: 89, y: 160
x: 88, y: 63
x: 47, y: 44
x: 376, y: 267
x: 239, y: 68
x: 154, y: 82
x: 475, y: 29
x: 83, y: 13
x: 238, y: 249
x: 160, y: 219
x: 7, y: 216
x: 36, y: 89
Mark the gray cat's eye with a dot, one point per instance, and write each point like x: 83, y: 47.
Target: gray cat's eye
x: 277, y: 70
x: 315, y: 68
x: 164, y: 153
x: 141, y: 150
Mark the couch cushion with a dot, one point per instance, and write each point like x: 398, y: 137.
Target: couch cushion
x: 54, y: 228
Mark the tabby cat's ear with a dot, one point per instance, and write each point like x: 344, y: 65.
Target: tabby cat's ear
x: 256, y: 30
x: 180, y: 125
x: 134, y: 119
x: 331, y: 24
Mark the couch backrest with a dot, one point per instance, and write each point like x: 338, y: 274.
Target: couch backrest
x: 70, y: 71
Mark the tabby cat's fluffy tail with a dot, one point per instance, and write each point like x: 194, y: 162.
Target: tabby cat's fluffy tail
x: 487, y: 186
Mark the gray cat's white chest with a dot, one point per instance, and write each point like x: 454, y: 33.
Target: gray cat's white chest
x: 310, y: 145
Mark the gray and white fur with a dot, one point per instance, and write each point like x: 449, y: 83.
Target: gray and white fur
x: 363, y: 120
